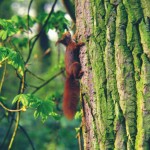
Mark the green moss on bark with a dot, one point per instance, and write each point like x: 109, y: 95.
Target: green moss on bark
x: 125, y: 76
x: 143, y: 120
x: 134, y: 10
x: 146, y: 100
x: 146, y: 7
x: 136, y: 47
x: 100, y: 86
x: 96, y: 52
x: 145, y: 38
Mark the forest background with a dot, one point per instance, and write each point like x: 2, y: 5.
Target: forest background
x: 32, y: 76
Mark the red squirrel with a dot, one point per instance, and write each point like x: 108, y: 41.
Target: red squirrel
x: 73, y: 73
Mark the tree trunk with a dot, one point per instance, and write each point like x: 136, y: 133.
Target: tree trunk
x: 115, y: 87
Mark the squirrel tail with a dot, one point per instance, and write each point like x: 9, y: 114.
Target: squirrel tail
x: 71, y: 97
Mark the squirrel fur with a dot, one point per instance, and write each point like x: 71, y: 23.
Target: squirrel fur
x: 73, y: 74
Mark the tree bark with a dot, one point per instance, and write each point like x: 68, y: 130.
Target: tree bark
x: 115, y: 87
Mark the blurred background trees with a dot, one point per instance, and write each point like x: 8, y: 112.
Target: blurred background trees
x: 32, y: 76
x: 116, y: 81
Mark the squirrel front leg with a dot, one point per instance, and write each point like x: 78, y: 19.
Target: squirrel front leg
x: 80, y: 44
x: 75, y: 70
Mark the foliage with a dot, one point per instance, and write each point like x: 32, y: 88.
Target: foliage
x: 43, y: 108
x: 7, y: 29
x: 57, y: 21
x: 13, y: 58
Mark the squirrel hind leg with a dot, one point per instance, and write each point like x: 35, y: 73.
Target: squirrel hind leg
x: 80, y: 44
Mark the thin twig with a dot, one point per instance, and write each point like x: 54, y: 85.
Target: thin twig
x: 79, y: 141
x: 28, y: 137
x: 22, y: 84
x: 41, y: 31
x: 26, y: 84
x: 32, y: 86
x: 3, y: 76
x: 10, y: 110
x: 23, y: 130
x: 7, y: 133
x: 35, y: 75
x: 16, y: 127
x: 29, y: 15
x: 3, y: 116
x: 39, y: 87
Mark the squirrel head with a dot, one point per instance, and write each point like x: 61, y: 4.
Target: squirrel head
x: 66, y: 38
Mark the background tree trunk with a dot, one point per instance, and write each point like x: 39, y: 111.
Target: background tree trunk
x: 116, y: 82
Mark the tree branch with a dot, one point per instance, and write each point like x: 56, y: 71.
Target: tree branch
x: 7, y: 133
x: 39, y: 87
x: 41, y: 31
x: 23, y: 130
x: 16, y: 127
x: 34, y: 75
x: 28, y: 137
x: 28, y: 14
x: 21, y: 90
x: 3, y: 76
x: 10, y: 110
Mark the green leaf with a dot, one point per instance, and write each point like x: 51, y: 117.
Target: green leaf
x: 55, y: 115
x: 36, y: 114
x: 78, y: 114
x: 2, y: 98
x: 34, y: 101
x: 43, y: 107
x: 13, y: 58
x: 21, y: 21
x: 20, y: 42
x: 3, y: 34
x: 22, y: 98
x: 77, y: 129
x: 16, y: 98
x: 7, y: 28
x: 57, y: 21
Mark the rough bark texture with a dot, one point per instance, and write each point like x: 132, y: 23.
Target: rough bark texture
x: 116, y: 65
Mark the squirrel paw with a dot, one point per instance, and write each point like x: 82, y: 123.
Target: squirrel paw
x: 80, y: 74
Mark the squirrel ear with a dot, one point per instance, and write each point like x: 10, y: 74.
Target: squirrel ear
x: 68, y: 34
x: 65, y: 37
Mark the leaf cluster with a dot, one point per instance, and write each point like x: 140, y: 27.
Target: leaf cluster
x: 19, y: 39
x: 13, y: 58
x: 7, y: 29
x: 57, y: 21
x: 43, y: 107
x: 13, y: 39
